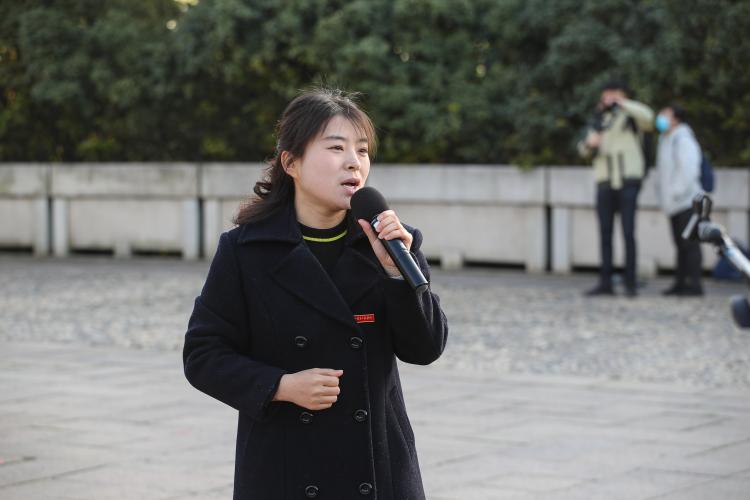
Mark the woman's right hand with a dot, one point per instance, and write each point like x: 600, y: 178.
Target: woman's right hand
x: 314, y: 389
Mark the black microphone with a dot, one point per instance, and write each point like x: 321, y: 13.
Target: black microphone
x: 367, y: 204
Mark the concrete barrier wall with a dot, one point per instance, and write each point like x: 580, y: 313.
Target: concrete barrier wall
x: 479, y: 213
x: 24, y: 207
x: 125, y: 208
x: 111, y: 207
x: 471, y: 213
x: 223, y: 188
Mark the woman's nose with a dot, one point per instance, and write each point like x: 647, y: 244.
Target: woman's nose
x: 352, y: 161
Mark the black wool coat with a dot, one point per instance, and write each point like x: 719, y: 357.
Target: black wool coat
x: 269, y: 308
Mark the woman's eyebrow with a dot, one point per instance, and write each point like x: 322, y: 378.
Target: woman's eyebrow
x: 341, y: 138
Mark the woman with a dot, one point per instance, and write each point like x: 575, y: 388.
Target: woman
x: 302, y: 316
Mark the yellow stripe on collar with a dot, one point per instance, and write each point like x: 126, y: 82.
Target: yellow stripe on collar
x: 325, y: 240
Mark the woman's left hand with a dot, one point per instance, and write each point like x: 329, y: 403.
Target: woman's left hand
x: 388, y: 228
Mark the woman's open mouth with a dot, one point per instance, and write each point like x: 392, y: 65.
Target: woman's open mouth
x: 351, y: 185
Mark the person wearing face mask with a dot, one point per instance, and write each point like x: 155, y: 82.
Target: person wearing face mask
x: 613, y: 143
x: 678, y: 160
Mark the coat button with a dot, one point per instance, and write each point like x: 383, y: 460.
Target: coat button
x: 360, y: 415
x: 301, y: 342
x: 365, y: 489
x: 356, y: 343
x: 306, y: 417
x: 311, y: 491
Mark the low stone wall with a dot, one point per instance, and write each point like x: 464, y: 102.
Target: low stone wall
x: 24, y: 207
x: 223, y: 188
x: 470, y: 213
x: 126, y: 208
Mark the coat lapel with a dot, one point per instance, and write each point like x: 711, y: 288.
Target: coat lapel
x: 355, y: 275
x: 300, y: 274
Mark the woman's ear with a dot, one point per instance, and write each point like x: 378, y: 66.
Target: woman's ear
x: 289, y: 164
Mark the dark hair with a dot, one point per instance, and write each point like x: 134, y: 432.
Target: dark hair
x: 679, y: 112
x: 616, y: 84
x: 303, y: 119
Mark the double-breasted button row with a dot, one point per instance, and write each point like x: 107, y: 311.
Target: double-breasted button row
x: 360, y: 415
x: 306, y: 417
x: 301, y: 342
x: 364, y: 489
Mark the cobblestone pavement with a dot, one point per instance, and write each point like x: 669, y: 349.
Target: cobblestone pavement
x: 541, y: 395
x: 500, y: 321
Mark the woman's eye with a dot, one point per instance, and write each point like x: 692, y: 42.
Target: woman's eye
x: 337, y: 148
x: 363, y: 151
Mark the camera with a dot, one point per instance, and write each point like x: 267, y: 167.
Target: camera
x: 597, y: 122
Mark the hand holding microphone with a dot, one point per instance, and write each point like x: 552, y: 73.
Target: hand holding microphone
x: 386, y: 226
x: 389, y: 239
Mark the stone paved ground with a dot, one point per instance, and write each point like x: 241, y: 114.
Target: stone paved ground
x: 541, y: 394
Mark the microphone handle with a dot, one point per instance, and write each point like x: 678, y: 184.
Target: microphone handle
x: 404, y: 262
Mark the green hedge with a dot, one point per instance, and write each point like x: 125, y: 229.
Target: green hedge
x: 482, y: 81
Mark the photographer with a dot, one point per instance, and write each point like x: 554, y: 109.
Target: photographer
x: 613, y: 142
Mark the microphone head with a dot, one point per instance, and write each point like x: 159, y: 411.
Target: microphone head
x: 367, y: 203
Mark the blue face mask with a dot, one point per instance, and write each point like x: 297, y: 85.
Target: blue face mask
x: 662, y: 123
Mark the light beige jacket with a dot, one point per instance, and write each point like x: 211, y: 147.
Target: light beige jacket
x: 620, y: 155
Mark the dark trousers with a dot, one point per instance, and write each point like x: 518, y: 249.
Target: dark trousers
x: 609, y: 201
x: 689, y: 258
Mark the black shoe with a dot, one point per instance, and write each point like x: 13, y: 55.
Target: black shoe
x: 673, y: 290
x: 599, y: 290
x: 631, y: 292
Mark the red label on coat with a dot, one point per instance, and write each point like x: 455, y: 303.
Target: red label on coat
x: 364, y: 318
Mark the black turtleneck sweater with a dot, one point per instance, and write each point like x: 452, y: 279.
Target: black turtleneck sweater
x: 326, y: 244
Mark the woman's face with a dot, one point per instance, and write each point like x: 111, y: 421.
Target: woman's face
x: 335, y: 165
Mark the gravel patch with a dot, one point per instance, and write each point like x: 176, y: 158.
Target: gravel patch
x: 500, y: 321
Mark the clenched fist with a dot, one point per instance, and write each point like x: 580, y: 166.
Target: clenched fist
x: 314, y: 389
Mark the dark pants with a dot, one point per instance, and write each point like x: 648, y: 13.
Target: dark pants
x: 689, y: 258
x: 609, y: 201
